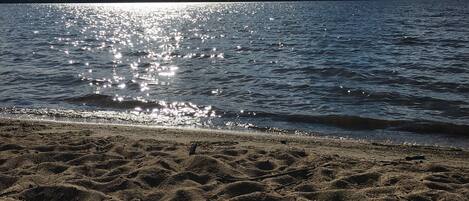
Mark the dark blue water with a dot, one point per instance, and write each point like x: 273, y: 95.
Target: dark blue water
x: 393, y: 71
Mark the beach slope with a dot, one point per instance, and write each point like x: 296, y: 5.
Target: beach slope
x: 70, y: 161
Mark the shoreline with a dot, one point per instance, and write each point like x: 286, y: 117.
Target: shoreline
x: 143, y: 1
x: 379, y: 130
x: 236, y: 132
x: 247, y: 132
x: 123, y: 162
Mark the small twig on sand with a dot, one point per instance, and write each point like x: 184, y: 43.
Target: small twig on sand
x: 192, y: 149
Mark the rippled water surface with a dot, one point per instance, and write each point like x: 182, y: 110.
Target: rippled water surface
x: 393, y: 71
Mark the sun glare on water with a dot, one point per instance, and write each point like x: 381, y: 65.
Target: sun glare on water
x: 142, y: 45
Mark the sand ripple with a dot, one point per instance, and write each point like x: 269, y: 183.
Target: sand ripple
x: 39, y: 162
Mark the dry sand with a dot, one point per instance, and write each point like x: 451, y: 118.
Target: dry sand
x: 60, y: 161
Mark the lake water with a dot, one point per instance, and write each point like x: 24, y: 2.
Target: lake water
x: 395, y: 71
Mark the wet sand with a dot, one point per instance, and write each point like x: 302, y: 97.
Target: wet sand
x: 70, y: 161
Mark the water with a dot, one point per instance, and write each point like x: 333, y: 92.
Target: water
x: 393, y: 71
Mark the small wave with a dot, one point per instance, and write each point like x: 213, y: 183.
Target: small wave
x: 326, y: 72
x: 97, y: 116
x: 448, y: 107
x: 367, y: 123
x: 106, y: 101
x: 463, y: 57
x: 454, y: 43
x: 137, y: 53
x: 169, y: 109
x: 408, y: 40
x: 9, y: 72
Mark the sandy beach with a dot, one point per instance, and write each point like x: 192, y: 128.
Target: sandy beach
x: 71, y: 161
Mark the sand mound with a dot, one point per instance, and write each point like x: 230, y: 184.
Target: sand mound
x: 258, y: 196
x: 209, y: 165
x: 305, y: 188
x: 357, y: 180
x: 7, y: 147
x: 436, y: 168
x: 265, y: 165
x: 60, y: 193
x: 52, y: 167
x: 241, y: 188
x: 152, y: 177
x: 6, y: 181
x: 188, y: 178
x: 186, y: 194
x: 114, y: 185
x: 335, y: 195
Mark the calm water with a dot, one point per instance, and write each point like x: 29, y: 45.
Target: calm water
x: 389, y: 70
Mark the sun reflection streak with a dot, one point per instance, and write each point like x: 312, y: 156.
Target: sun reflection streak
x: 143, y: 46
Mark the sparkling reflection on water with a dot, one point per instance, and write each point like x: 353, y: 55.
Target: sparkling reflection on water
x: 380, y: 70
x: 144, y: 47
